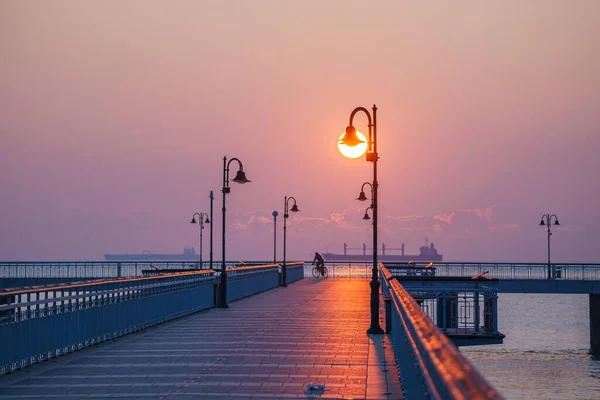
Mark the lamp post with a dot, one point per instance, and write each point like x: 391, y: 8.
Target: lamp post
x: 547, y: 221
x: 201, y: 223
x: 211, y: 196
x: 275, y: 214
x: 240, y: 177
x: 351, y: 139
x: 286, y: 215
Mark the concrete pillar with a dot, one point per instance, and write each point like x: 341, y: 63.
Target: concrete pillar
x: 595, y: 324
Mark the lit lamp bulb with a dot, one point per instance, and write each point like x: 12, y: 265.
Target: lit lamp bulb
x: 353, y: 151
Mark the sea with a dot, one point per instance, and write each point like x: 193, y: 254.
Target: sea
x: 545, y: 354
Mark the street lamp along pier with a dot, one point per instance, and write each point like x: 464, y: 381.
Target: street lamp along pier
x: 286, y: 215
x: 547, y: 221
x: 240, y: 177
x: 352, y: 139
x: 201, y: 222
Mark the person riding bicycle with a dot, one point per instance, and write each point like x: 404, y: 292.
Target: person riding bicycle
x: 320, y: 263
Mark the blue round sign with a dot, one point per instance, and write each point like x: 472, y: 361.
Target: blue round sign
x: 275, y: 213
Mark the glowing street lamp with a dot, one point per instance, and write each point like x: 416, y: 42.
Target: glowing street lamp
x: 352, y: 150
x: 357, y: 144
x: 286, y: 215
x: 201, y: 223
x: 240, y: 177
x: 547, y: 221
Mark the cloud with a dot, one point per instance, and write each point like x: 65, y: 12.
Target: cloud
x: 486, y: 215
x: 239, y: 226
x: 260, y: 219
x: 437, y: 228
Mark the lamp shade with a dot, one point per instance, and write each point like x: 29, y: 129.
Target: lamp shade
x: 366, y: 217
x: 542, y: 223
x: 193, y: 221
x: 207, y: 221
x: 362, y: 196
x: 294, y: 208
x: 556, y: 222
x: 350, y: 138
x: 240, y: 177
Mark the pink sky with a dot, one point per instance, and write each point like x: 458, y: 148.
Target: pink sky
x: 115, y: 117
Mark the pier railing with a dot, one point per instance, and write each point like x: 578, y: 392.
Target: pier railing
x: 430, y: 365
x: 507, y: 271
x: 103, y: 269
x: 361, y: 269
x: 42, y: 322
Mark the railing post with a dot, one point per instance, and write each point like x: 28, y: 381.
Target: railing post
x: 119, y: 271
x: 387, y: 300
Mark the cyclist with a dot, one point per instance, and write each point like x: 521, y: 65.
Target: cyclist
x: 320, y: 263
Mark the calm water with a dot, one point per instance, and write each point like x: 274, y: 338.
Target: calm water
x: 545, y: 353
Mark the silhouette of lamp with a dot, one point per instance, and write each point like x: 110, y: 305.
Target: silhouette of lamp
x: 201, y: 223
x: 547, y: 221
x: 286, y: 215
x: 366, y: 216
x: 240, y: 177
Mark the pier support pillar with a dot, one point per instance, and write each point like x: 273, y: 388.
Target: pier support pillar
x: 595, y: 325
x: 447, y: 311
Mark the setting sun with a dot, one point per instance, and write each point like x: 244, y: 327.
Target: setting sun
x: 353, y: 151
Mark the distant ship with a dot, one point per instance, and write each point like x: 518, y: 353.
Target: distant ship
x: 188, y: 255
x: 428, y: 252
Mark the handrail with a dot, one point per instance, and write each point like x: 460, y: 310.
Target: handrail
x: 94, y: 282
x: 445, y: 373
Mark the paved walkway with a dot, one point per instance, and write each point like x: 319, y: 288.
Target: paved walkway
x: 271, y: 345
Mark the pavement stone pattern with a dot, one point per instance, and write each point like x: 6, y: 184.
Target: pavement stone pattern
x: 269, y: 346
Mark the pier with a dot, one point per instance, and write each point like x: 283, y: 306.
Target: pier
x: 165, y: 336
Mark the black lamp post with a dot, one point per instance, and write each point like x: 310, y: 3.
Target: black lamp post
x: 211, y: 196
x: 547, y: 221
x: 275, y: 214
x: 286, y: 215
x: 350, y: 138
x: 201, y: 223
x: 240, y: 177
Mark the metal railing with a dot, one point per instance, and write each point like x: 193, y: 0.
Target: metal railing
x: 41, y: 322
x: 510, y: 271
x: 101, y: 269
x: 342, y: 269
x: 430, y: 365
x: 114, y: 269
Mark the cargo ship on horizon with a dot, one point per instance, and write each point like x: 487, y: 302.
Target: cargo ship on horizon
x: 428, y: 253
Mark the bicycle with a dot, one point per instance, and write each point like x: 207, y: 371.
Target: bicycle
x: 316, y: 271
